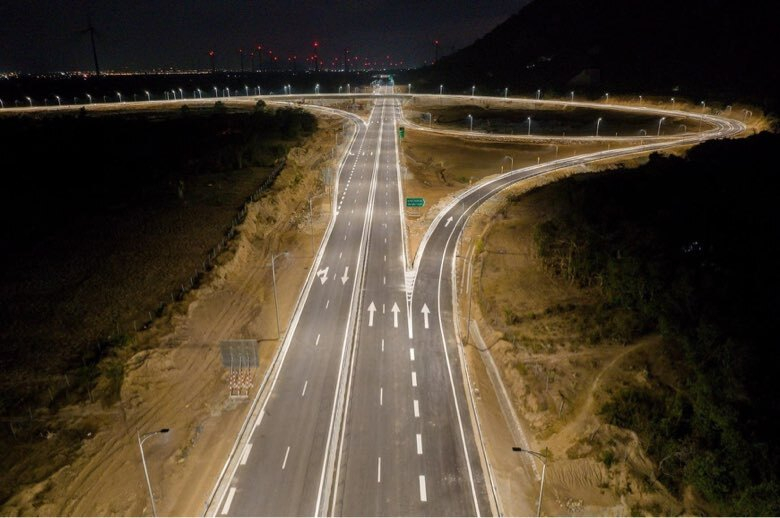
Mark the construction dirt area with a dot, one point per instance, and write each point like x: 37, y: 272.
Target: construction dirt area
x: 173, y: 374
x: 174, y: 377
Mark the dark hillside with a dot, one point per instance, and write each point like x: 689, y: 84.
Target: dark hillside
x: 698, y: 48
x: 688, y: 247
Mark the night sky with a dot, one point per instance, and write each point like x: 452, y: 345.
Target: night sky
x: 47, y: 35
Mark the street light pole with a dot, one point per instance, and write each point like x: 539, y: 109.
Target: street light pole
x: 572, y: 95
x: 598, y: 123
x: 471, y: 123
x: 529, y: 126
x: 660, y: 121
x: 276, y: 299
x: 141, y: 439
x: 473, y: 87
x: 544, y: 469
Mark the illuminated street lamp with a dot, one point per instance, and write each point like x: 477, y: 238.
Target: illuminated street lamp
x: 258, y: 89
x: 471, y: 122
x: 59, y: 103
x: 703, y: 107
x: 572, y: 95
x: 2, y: 104
x: 607, y: 94
x: 640, y: 99
x: 506, y: 92
x: 544, y: 469
x: 29, y: 101
x: 215, y: 92
x: 317, y: 88
x: 538, y: 94
x: 529, y: 126
x: 409, y: 88
x: 684, y: 128
x: 181, y: 94
x: 473, y: 87
x: 441, y: 89
x: 199, y: 93
x: 672, y: 101
x: 348, y: 88
x: 430, y: 118
x: 119, y: 95
x: 148, y: 95
x: 340, y: 89
x: 660, y: 121
x: 90, y: 98
x: 141, y: 439
x: 598, y: 123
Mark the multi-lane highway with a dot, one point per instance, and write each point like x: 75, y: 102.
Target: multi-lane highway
x: 354, y: 421
x: 365, y: 410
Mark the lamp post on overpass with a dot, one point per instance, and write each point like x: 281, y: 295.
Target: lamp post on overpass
x: 441, y: 89
x: 506, y: 92
x: 276, y: 299
x: 471, y: 123
x: 660, y: 121
x: 572, y: 95
x: 598, y: 123
x: 141, y: 439
x: 544, y: 469
x: 529, y: 126
x: 473, y: 87
x: 511, y: 163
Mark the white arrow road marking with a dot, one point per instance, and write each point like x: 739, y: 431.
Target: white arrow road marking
x: 323, y: 274
x: 395, y: 311
x: 371, y: 309
x: 449, y: 220
x: 425, y: 311
x: 345, y: 278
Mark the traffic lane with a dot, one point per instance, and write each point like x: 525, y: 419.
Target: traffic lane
x: 298, y: 474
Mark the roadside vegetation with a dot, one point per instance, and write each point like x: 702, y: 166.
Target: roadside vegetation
x: 687, y: 247
x: 105, y: 215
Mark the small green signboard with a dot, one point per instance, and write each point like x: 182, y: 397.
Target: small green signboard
x: 415, y: 202
x: 401, y: 131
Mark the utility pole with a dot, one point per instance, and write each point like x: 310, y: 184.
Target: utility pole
x: 435, y: 51
x: 241, y: 54
x: 211, y: 58
x: 346, y: 59
x: 91, y: 31
x: 316, y: 57
x: 259, y: 58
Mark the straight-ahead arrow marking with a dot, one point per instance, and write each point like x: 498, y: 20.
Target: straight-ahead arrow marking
x: 371, y: 309
x: 425, y: 312
x: 449, y: 220
x: 395, y: 311
x: 344, y: 277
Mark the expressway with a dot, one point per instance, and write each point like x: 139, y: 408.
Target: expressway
x: 354, y: 422
x: 367, y: 413
x: 366, y: 409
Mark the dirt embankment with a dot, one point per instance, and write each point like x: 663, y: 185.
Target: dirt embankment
x: 538, y: 331
x: 173, y: 377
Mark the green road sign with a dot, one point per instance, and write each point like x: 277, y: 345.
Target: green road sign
x: 415, y: 202
x: 401, y: 131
